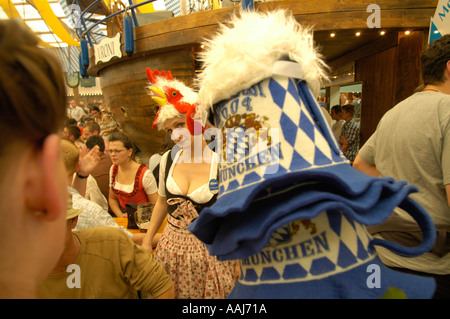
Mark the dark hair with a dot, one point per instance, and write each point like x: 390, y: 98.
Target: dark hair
x: 96, y: 108
x: 350, y: 108
x: 434, y: 60
x: 337, y: 109
x: 122, y: 137
x: 74, y: 130
x: 71, y: 121
x: 93, y: 126
x: 96, y: 140
x: 32, y: 89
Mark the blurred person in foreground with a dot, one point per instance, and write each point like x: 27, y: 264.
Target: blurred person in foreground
x: 420, y: 156
x: 33, y: 187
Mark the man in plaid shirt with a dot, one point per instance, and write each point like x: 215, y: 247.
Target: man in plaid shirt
x: 349, y: 139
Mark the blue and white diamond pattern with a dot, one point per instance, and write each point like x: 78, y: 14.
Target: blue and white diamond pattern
x: 173, y: 5
x: 295, y: 136
x: 338, y: 245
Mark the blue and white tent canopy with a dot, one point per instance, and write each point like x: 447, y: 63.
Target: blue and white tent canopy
x: 68, y: 56
x: 96, y: 33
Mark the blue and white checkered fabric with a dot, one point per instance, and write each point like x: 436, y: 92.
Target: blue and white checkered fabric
x: 323, y: 246
x: 329, y: 256
x: 297, y: 172
x: 174, y: 6
x: 300, y: 143
x: 294, y: 211
x: 68, y: 57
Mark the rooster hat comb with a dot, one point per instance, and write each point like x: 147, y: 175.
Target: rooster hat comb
x: 173, y: 97
x: 292, y: 210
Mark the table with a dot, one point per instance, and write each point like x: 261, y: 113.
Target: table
x: 123, y: 221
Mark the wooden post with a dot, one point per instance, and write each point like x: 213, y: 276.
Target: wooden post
x: 76, y: 95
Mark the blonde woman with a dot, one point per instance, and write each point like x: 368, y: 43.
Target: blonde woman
x: 184, y: 189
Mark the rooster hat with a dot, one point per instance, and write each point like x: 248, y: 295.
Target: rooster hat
x: 290, y: 206
x: 173, y: 97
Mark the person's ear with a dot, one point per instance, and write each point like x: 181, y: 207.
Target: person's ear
x: 46, y: 187
x: 54, y: 177
x: 73, y: 222
x: 447, y: 71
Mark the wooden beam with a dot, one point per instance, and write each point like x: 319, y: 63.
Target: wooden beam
x: 203, y: 24
x: 330, y: 14
x: 381, y: 44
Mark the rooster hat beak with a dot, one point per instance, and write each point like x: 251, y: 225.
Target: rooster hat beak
x: 158, y: 96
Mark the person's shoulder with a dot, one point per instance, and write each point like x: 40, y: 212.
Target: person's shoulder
x: 424, y: 102
x: 353, y: 123
x: 166, y: 153
x: 104, y: 158
x: 164, y: 157
x: 101, y: 234
x: 444, y: 104
x: 431, y: 98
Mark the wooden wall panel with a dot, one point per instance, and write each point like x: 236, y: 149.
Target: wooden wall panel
x: 388, y: 77
x: 378, y: 88
x: 408, y: 72
x: 170, y: 44
x: 123, y: 86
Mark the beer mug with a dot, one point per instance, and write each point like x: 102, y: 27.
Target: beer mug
x: 143, y: 215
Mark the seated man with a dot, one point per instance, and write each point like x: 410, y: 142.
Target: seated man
x: 103, y: 263
x: 101, y: 171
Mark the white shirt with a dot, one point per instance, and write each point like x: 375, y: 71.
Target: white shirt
x: 76, y: 113
x: 93, y: 192
x: 148, y: 182
x: 92, y: 215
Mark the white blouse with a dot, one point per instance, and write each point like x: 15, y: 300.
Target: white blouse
x: 148, y: 182
x: 200, y: 195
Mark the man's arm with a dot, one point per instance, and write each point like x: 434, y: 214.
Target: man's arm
x: 168, y: 294
x: 367, y: 168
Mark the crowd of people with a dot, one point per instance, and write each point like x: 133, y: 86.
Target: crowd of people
x: 68, y: 171
x: 343, y: 120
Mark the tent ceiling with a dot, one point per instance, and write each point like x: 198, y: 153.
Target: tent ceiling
x: 46, y: 18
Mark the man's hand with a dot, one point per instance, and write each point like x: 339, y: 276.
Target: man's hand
x: 89, y: 160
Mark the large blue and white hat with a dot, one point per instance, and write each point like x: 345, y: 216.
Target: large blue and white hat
x: 282, y: 166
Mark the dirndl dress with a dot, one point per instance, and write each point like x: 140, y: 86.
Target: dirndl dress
x: 195, y: 273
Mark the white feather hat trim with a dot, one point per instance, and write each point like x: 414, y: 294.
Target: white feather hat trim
x: 168, y: 111
x: 244, y: 51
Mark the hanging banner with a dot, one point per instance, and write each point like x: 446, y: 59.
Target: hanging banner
x: 87, y: 82
x: 72, y: 79
x: 107, y: 49
x: 440, y: 22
